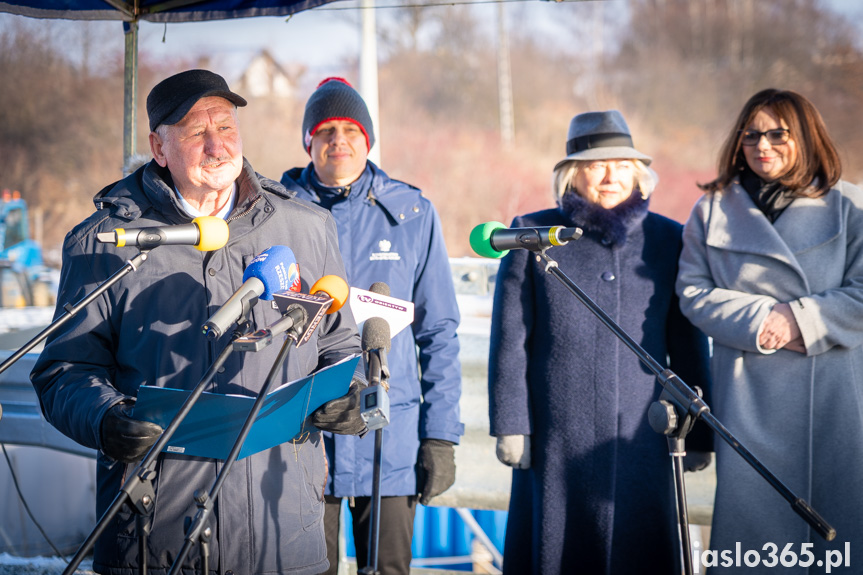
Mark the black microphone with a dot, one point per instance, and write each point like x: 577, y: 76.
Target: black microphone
x: 380, y: 288
x: 301, y: 313
x: 206, y: 233
x: 374, y: 399
x: 377, y: 337
x: 376, y: 343
x: 494, y: 240
x: 294, y: 316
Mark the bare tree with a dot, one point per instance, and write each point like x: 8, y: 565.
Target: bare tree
x: 679, y: 70
x: 693, y: 64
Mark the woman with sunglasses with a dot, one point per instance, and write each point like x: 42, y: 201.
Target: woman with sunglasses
x: 772, y: 270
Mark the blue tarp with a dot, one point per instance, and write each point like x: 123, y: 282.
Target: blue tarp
x: 440, y: 532
x: 156, y: 10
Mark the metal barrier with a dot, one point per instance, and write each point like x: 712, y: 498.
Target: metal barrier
x: 22, y: 422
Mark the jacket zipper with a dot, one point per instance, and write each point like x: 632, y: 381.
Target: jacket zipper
x: 249, y: 209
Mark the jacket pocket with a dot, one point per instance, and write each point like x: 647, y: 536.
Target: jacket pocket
x: 314, y: 470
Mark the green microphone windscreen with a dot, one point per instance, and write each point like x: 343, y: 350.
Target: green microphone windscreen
x: 480, y: 240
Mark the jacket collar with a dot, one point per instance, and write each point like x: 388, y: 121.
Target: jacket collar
x: 736, y: 224
x: 401, y: 201
x: 328, y: 196
x: 612, y: 226
x: 372, y: 187
x: 151, y: 186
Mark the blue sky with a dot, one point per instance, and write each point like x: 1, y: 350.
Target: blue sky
x: 321, y: 39
x: 316, y: 38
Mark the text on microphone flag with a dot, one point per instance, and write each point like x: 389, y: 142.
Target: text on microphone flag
x: 365, y: 304
x: 375, y: 301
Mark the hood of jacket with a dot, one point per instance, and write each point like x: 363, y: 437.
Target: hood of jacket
x: 152, y: 187
x: 400, y: 201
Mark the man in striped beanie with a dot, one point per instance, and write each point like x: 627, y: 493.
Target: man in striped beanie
x: 388, y: 232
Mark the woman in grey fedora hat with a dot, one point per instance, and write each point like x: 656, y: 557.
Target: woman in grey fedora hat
x: 592, y: 488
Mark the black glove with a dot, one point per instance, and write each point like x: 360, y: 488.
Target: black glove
x: 435, y: 468
x: 696, y: 460
x: 124, y: 438
x: 342, y: 415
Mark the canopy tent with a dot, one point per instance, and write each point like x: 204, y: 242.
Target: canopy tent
x: 152, y: 11
x: 156, y: 10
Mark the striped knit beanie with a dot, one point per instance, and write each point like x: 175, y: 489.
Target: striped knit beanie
x: 336, y: 99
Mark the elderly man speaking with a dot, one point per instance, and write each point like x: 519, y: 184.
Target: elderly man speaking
x: 147, y: 330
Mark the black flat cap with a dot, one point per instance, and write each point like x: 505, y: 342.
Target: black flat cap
x: 172, y: 98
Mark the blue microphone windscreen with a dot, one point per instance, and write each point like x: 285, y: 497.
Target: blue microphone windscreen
x: 277, y: 269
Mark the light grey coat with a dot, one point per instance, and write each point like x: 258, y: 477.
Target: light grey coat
x: 801, y: 415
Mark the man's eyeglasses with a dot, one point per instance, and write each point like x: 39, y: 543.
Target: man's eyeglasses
x: 775, y: 137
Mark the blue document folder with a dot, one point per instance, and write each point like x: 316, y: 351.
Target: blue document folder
x: 213, y: 425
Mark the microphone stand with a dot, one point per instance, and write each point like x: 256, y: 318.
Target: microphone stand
x: 138, y: 491
x: 197, y: 531
x: 378, y: 374
x: 679, y: 403
x: 131, y: 265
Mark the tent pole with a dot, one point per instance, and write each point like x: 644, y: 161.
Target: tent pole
x: 130, y: 89
x: 369, y: 73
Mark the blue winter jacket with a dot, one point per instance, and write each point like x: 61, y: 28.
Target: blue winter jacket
x: 388, y: 232
x: 146, y: 329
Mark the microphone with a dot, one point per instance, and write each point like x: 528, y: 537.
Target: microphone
x: 374, y: 400
x: 301, y: 313
x: 376, y: 342
x: 272, y: 270
x: 376, y: 338
x: 494, y: 240
x: 380, y: 288
x: 206, y: 233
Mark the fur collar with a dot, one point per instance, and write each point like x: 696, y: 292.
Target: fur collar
x: 612, y: 226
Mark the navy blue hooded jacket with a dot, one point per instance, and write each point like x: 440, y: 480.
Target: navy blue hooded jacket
x: 388, y: 232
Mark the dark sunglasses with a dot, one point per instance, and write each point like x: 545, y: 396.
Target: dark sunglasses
x: 775, y: 137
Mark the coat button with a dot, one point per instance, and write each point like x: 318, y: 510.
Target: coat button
x: 401, y: 216
x: 221, y: 369
x: 416, y: 209
x: 211, y: 271
x: 608, y: 276
x: 606, y: 242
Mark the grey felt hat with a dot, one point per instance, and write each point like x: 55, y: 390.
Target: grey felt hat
x: 172, y: 98
x: 600, y: 136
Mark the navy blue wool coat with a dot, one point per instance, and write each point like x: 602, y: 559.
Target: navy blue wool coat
x: 598, y: 496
